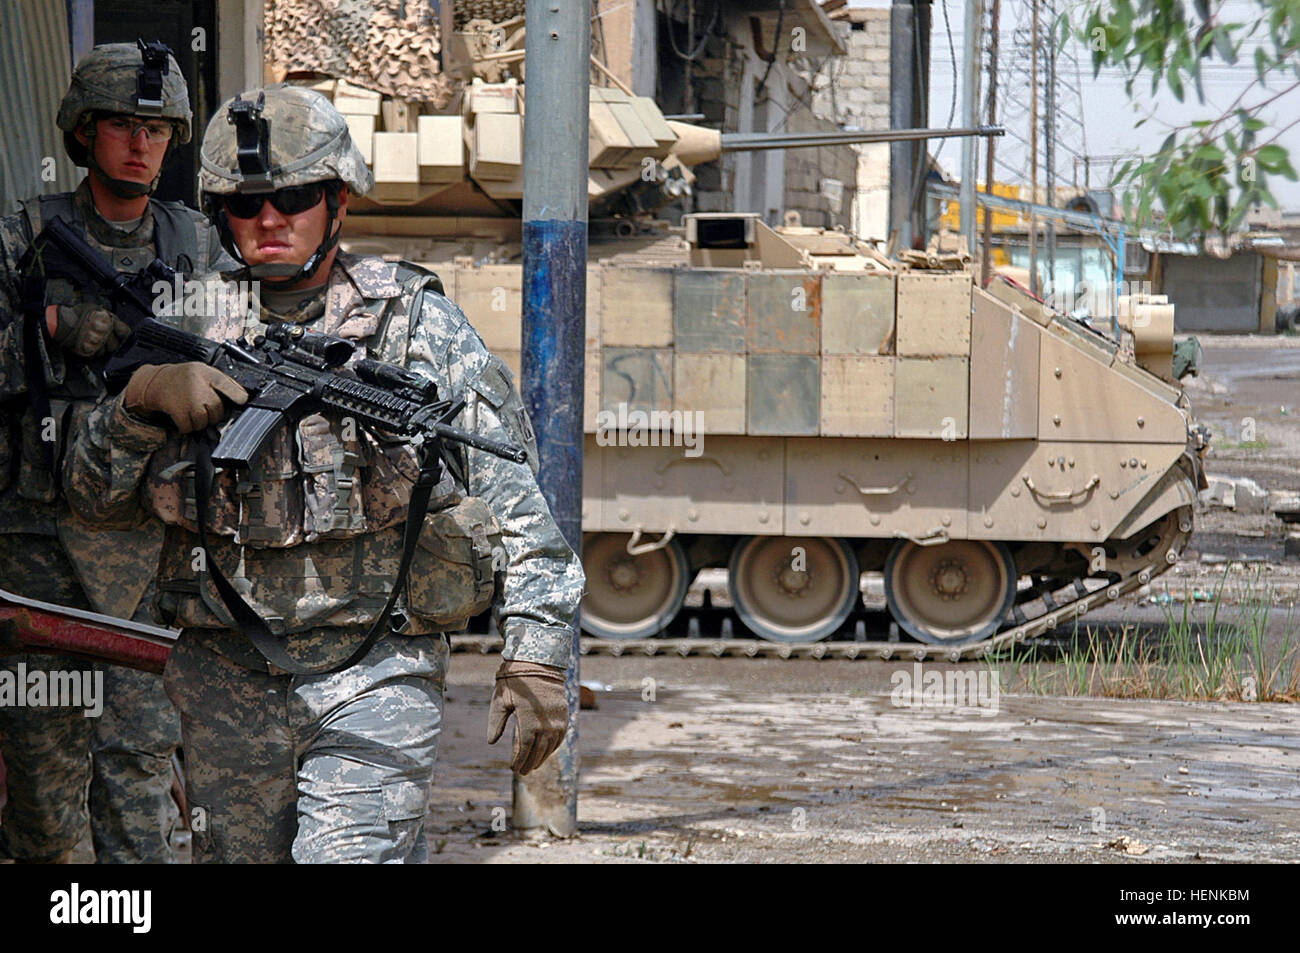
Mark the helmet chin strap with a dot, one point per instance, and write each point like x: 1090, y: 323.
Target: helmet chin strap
x: 122, y: 188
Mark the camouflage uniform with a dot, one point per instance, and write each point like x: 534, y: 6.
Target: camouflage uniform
x: 338, y: 766
x: 46, y: 552
x: 335, y: 766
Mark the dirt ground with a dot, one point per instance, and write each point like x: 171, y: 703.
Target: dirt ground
x: 744, y: 760
x: 747, y: 760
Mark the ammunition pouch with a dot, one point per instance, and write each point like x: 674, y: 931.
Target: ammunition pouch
x: 323, y: 480
x: 453, y: 571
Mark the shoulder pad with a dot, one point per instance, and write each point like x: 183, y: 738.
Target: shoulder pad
x: 412, y: 276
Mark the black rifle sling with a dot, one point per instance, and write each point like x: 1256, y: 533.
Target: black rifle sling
x: 253, y: 626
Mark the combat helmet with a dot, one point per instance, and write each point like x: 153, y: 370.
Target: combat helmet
x: 276, y: 138
x: 143, y: 80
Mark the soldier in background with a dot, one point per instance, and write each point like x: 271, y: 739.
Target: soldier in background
x: 127, y: 105
x: 311, y: 726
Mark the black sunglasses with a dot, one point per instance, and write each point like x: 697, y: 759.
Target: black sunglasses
x: 289, y: 201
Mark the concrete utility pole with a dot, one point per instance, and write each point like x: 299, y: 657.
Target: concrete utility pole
x: 902, y: 155
x: 1049, y: 144
x: 557, y: 63
x: 970, y: 116
x: 1033, y: 152
x: 987, y: 255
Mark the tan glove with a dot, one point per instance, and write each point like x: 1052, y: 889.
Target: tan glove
x: 535, y: 693
x: 89, y: 331
x: 190, y: 394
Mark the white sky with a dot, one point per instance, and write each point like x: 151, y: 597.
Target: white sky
x: 1109, y: 117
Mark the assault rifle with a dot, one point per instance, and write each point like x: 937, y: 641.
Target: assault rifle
x: 290, y: 372
x: 59, y: 251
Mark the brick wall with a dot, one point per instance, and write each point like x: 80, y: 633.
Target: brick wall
x: 811, y: 174
x: 854, y: 91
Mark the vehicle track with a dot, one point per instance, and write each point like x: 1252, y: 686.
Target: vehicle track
x: 1080, y: 597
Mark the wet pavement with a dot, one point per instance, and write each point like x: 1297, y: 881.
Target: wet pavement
x: 753, y: 760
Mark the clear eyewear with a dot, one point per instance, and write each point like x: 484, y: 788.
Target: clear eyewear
x: 154, y: 130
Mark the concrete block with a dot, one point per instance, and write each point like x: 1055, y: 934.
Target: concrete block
x: 492, y: 98
x: 354, y: 99
x: 397, y: 166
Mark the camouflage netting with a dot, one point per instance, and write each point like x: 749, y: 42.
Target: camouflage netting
x: 494, y: 10
x: 390, y: 46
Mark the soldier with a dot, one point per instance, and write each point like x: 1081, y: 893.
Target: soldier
x: 295, y: 747
x: 125, y: 109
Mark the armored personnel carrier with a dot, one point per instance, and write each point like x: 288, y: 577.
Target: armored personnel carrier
x: 788, y: 404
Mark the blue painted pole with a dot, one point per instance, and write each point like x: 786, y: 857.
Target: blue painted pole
x: 557, y: 51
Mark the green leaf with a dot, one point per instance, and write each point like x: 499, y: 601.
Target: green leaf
x: 1238, y: 214
x: 1261, y: 63
x: 1208, y: 152
x: 1175, y: 85
x: 1271, y: 155
x: 1224, y: 46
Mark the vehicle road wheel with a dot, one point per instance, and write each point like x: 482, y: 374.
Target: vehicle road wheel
x: 789, y: 589
x: 631, y: 597
x: 955, y: 593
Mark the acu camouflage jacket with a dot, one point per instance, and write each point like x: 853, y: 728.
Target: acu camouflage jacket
x: 120, y: 465
x: 112, y: 567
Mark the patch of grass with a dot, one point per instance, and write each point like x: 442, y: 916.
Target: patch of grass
x: 1213, y: 659
x: 1223, y: 443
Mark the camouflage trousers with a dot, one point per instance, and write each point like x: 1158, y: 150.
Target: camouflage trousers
x: 124, y: 755
x: 57, y: 758
x: 330, y: 768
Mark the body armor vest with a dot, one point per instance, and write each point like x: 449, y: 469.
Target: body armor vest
x: 311, y: 534
x: 114, y: 567
x: 74, y: 386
